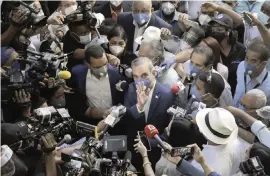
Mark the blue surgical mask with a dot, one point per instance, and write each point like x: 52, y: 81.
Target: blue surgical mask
x: 250, y: 68
x: 141, y: 18
x: 242, y: 107
x: 194, y: 71
x: 145, y: 82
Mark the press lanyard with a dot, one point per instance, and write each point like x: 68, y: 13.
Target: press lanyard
x: 245, y: 79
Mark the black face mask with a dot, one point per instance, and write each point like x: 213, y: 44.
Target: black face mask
x: 219, y: 36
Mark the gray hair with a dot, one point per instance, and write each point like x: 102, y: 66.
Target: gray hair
x: 157, y: 49
x: 260, y: 100
x: 142, y: 60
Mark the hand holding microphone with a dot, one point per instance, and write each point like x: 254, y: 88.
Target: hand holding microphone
x: 152, y: 132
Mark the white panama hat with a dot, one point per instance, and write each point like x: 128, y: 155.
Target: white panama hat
x: 217, y: 125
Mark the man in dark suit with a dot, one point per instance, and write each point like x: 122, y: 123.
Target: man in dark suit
x: 135, y: 22
x: 147, y: 102
x: 95, y: 84
x: 111, y: 9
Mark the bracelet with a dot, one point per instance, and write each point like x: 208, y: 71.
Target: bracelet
x: 146, y: 163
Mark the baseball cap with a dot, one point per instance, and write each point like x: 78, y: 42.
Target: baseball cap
x: 223, y: 20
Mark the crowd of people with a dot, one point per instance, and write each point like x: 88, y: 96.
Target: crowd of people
x: 171, y: 53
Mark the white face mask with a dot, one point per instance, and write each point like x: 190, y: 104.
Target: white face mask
x: 70, y: 9
x: 116, y: 3
x: 167, y: 8
x: 116, y: 50
x: 204, y: 19
x: 85, y: 39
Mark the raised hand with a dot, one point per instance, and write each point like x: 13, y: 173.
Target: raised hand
x: 198, y: 156
x: 22, y: 97
x: 209, y: 7
x: 142, y: 95
x: 140, y: 148
x: 165, y: 33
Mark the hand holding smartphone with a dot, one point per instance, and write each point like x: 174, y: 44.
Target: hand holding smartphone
x: 144, y: 140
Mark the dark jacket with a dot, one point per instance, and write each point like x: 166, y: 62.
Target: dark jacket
x: 125, y: 19
x: 162, y: 99
x: 105, y: 8
x: 77, y: 103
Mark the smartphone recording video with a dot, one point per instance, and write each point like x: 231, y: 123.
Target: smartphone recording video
x: 144, y: 140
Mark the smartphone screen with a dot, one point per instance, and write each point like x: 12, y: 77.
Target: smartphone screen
x: 144, y: 140
x: 181, y: 151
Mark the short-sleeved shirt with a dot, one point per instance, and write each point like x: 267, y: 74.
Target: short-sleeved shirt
x: 236, y: 55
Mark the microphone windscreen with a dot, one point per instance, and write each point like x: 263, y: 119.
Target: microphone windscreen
x: 150, y: 131
x: 175, y: 89
x: 64, y: 74
x: 128, y: 156
x: 67, y: 138
x: 124, y: 85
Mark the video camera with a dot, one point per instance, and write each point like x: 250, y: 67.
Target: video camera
x: 84, y: 12
x: 252, y: 166
x: 16, y: 80
x: 45, y: 120
x: 37, y: 18
x: 90, y: 157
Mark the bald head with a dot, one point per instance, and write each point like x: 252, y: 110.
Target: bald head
x: 144, y: 3
x: 254, y: 99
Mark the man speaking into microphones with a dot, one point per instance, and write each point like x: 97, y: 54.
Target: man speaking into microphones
x: 147, y: 102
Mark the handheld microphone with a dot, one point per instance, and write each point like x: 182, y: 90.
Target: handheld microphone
x: 121, y: 86
x: 64, y: 74
x: 178, y: 88
x: 189, y: 104
x: 197, y: 106
x: 66, y: 139
x: 127, y: 159
x: 152, y: 132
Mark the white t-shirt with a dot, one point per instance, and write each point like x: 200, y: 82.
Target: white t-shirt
x: 224, y: 159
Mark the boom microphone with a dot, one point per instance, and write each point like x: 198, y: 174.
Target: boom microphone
x: 152, y: 132
x: 66, y: 139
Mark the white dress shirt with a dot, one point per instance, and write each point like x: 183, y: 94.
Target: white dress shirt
x: 226, y: 96
x: 137, y: 33
x: 261, y: 131
x: 224, y: 159
x: 223, y: 70
x: 98, y: 91
x: 250, y: 84
x: 148, y: 103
